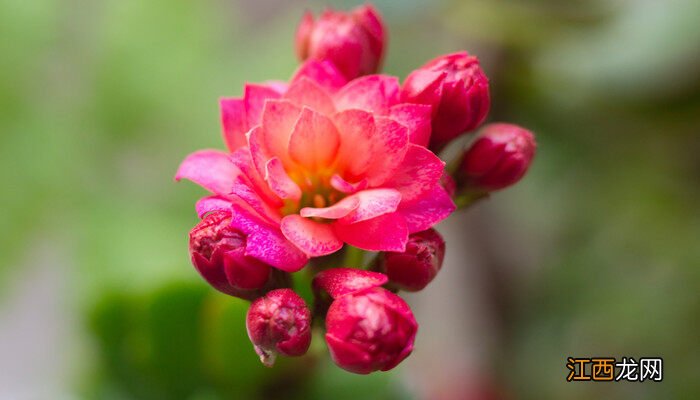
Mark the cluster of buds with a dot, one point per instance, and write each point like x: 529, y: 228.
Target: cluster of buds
x: 342, y: 159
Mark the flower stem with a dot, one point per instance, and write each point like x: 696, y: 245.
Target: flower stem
x: 354, y: 257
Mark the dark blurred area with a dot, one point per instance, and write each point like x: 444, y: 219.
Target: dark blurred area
x: 595, y: 253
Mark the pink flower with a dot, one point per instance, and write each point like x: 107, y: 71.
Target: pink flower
x: 279, y: 323
x: 498, y: 158
x: 217, y: 252
x: 415, y: 268
x: 353, y: 41
x: 324, y: 165
x: 457, y: 89
x: 370, y: 330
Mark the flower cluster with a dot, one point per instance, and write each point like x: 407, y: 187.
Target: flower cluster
x: 335, y: 161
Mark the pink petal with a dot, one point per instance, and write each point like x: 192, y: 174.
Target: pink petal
x: 341, y: 185
x: 242, y: 159
x: 387, y: 232
x: 278, y: 119
x: 374, y: 93
x: 254, y: 97
x: 424, y: 87
x: 315, y: 140
x: 389, y: 147
x: 241, y: 192
x: 426, y: 211
x: 419, y: 171
x: 357, y: 130
x: 322, y: 72
x: 211, y: 203
x: 340, y: 281
x: 416, y: 117
x: 337, y: 210
x: 280, y: 183
x: 305, y: 92
x: 211, y: 169
x: 313, y: 238
x: 266, y: 243
x: 233, y: 122
x: 373, y: 203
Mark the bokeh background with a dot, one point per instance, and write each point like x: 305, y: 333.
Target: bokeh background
x: 595, y: 253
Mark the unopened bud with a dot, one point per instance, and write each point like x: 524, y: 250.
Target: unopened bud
x: 415, y: 268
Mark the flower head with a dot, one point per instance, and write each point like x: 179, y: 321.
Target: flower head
x: 413, y: 269
x: 354, y: 41
x: 457, y: 89
x: 370, y: 330
x: 218, y: 253
x: 279, y: 323
x: 498, y: 158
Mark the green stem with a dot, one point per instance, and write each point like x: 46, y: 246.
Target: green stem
x: 469, y: 198
x: 354, y: 257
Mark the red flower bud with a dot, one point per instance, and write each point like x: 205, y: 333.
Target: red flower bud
x: 218, y: 253
x: 353, y: 41
x: 457, y: 89
x: 498, y: 158
x: 370, y: 330
x: 339, y: 281
x: 279, y: 323
x: 415, y: 268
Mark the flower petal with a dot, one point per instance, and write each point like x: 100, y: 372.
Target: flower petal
x: 280, y: 183
x: 419, y: 171
x: 423, y: 86
x: 278, y: 120
x: 337, y: 210
x: 233, y: 122
x: 387, y: 232
x: 357, y: 130
x: 243, y: 159
x: 341, y: 185
x: 313, y: 238
x: 374, y: 93
x: 426, y: 211
x: 322, y: 72
x: 315, y: 140
x: 341, y: 281
x: 307, y: 93
x: 373, y: 203
x: 211, y: 169
x: 416, y: 117
x: 211, y: 203
x: 389, y: 147
x: 254, y: 97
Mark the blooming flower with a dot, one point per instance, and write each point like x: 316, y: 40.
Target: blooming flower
x: 413, y: 269
x: 498, y: 158
x: 354, y: 41
x: 279, y: 322
x: 217, y: 252
x: 457, y: 89
x: 324, y: 165
x: 370, y: 330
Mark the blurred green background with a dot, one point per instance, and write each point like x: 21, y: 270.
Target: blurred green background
x: 595, y: 253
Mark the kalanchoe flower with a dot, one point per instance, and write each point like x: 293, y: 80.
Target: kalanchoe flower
x: 279, y: 323
x: 457, y: 89
x: 326, y: 166
x: 354, y: 41
x: 370, y: 330
x: 498, y: 158
x: 218, y: 254
x: 413, y: 269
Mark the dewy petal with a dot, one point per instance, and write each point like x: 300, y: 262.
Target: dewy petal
x: 278, y: 120
x: 211, y: 203
x: 419, y: 171
x: 254, y: 97
x: 266, y: 243
x: 374, y: 93
x: 341, y: 185
x: 233, y: 122
x: 337, y: 210
x: 416, y: 117
x: 387, y: 232
x: 426, y: 211
x: 211, y: 169
x: 315, y: 140
x: 373, y: 203
x: 322, y: 72
x: 389, y: 147
x: 313, y: 238
x: 357, y: 130
x: 305, y: 92
x: 280, y: 183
